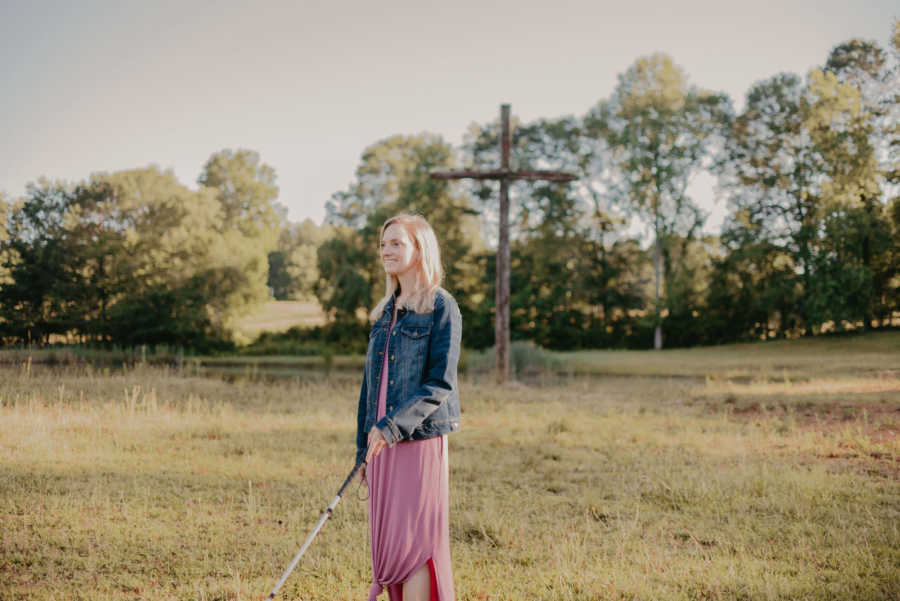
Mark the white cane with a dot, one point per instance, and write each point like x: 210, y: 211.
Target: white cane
x: 315, y: 531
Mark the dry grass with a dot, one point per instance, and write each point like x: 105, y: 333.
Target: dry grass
x: 151, y: 484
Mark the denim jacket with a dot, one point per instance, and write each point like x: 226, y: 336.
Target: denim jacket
x: 422, y: 393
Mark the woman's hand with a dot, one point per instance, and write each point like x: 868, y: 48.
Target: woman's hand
x: 376, y: 443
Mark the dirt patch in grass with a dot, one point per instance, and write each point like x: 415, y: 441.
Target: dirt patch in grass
x: 862, y: 437
x: 873, y: 417
x: 818, y: 414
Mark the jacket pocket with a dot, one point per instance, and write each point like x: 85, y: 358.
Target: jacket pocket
x: 415, y: 331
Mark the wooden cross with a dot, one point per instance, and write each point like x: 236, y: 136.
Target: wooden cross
x: 505, y: 175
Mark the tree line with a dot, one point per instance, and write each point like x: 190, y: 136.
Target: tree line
x: 135, y: 257
x: 809, y: 169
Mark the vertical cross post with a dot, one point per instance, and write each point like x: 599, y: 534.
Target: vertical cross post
x: 504, y: 175
x: 501, y: 318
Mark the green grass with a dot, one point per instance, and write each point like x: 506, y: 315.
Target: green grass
x: 155, y: 483
x: 278, y: 316
x: 801, y: 358
x: 868, y: 355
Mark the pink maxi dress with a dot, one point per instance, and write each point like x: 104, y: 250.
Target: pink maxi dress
x: 409, y: 511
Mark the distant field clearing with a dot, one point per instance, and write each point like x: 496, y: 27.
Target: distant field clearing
x: 279, y: 316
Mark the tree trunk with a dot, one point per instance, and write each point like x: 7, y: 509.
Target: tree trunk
x: 657, y: 268
x: 868, y: 315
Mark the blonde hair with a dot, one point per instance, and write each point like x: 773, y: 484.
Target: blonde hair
x: 429, y: 272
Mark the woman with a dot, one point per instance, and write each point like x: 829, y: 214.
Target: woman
x: 409, y: 402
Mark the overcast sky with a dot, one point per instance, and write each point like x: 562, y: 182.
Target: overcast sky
x: 105, y: 86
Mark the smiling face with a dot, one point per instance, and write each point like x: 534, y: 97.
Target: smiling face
x: 398, y: 250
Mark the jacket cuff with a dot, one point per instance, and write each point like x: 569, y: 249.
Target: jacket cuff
x: 389, y: 430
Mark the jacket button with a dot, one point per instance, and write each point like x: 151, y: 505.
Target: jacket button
x: 392, y: 357
x: 380, y: 353
x: 390, y: 407
x: 392, y: 382
x: 393, y: 333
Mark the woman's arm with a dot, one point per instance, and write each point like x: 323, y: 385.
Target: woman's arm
x: 361, y: 434
x: 440, y: 375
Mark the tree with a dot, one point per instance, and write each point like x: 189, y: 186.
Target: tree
x: 660, y: 131
x: 576, y: 279
x: 774, y: 171
x: 803, y: 166
x: 874, y: 76
x: 36, y: 298
x: 154, y: 258
x: 246, y: 191
x: 293, y: 267
x: 5, y: 209
x: 753, y: 291
x: 855, y: 232
x: 394, y: 176
x: 250, y: 224
x: 345, y: 275
x: 129, y: 257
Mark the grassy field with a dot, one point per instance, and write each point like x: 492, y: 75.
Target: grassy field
x: 767, y: 471
x: 278, y: 316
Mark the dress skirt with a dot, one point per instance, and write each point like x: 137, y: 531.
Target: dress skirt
x: 409, y: 524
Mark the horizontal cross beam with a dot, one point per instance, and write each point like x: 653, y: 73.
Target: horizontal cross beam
x: 506, y: 174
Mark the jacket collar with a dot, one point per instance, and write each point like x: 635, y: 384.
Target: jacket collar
x: 389, y: 307
x: 388, y: 311
x: 393, y: 300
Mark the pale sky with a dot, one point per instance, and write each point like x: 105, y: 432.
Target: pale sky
x: 105, y: 86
